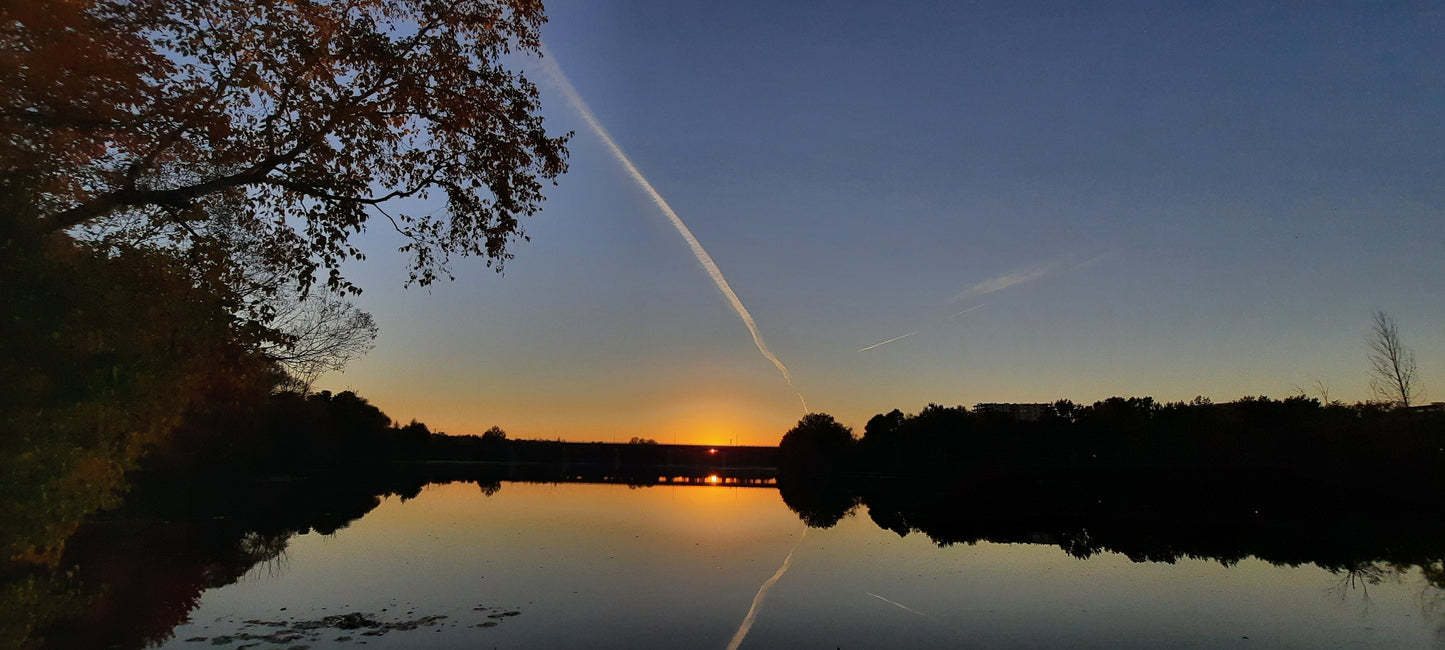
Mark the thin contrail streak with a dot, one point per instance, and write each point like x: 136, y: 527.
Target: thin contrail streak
x: 900, y: 338
x: 897, y: 604
x: 747, y: 623
x: 930, y: 617
x: 1010, y: 279
x: 549, y: 64
x: 896, y: 338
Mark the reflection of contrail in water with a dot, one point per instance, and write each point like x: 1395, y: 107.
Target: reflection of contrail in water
x: 747, y: 623
x: 550, y: 65
x: 934, y: 619
x: 897, y: 604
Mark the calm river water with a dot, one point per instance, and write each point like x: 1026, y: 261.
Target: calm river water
x: 608, y: 566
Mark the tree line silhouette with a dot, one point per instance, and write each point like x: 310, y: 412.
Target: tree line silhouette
x: 1367, y: 445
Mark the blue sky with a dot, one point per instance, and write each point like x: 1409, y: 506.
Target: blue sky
x: 1130, y: 198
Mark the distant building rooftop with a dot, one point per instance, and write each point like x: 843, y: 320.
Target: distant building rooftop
x: 1019, y: 412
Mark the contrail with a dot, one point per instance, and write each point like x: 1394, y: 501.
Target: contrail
x: 896, y: 338
x: 1010, y: 279
x: 897, y: 604
x: 747, y: 623
x: 1020, y: 276
x: 549, y: 64
x: 900, y: 338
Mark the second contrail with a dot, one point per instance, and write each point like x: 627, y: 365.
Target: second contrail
x: 555, y: 72
x: 900, y: 338
x: 896, y: 338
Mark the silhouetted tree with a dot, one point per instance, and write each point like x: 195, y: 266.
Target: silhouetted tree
x: 1065, y: 410
x: 883, y: 428
x: 1392, y: 365
x: 817, y: 440
x: 411, y: 439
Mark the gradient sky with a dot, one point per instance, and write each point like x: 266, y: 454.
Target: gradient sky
x: 1166, y: 199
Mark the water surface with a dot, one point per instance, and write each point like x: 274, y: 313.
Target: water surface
x: 609, y: 566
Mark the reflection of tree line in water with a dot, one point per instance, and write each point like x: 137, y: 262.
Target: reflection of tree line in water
x: 140, y: 570
x: 1148, y: 518
x: 137, y: 572
x: 1360, y: 535
x: 58, y: 477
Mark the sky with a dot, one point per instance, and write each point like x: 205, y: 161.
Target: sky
x: 946, y: 203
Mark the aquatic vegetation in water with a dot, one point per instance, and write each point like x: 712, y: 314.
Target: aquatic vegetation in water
x: 349, y: 627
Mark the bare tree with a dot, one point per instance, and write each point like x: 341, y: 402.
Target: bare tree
x: 1392, y: 365
x: 320, y: 333
x: 308, y: 333
x: 1321, y: 391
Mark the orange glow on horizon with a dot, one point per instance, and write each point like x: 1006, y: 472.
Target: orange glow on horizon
x: 695, y: 420
x: 714, y: 479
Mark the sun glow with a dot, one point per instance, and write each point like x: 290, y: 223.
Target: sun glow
x: 713, y: 430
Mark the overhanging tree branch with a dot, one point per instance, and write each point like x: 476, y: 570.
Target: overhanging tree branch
x: 302, y: 112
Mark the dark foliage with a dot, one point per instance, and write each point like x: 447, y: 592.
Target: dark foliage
x: 817, y: 442
x: 1292, y: 439
x: 101, y: 355
x: 309, y: 119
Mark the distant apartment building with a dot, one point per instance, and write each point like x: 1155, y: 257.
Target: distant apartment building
x: 1019, y: 412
